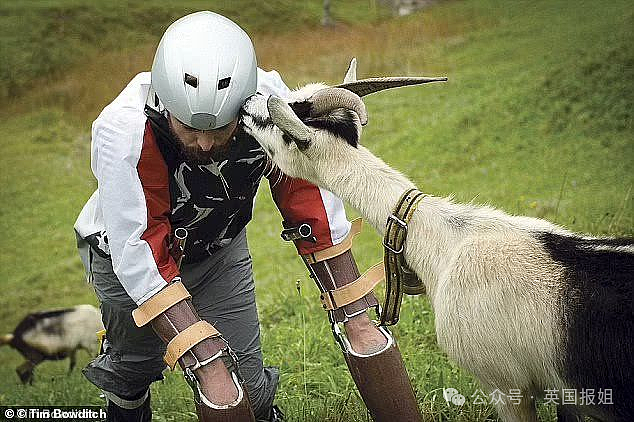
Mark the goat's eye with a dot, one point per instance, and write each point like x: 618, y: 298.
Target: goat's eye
x: 288, y: 139
x: 302, y: 145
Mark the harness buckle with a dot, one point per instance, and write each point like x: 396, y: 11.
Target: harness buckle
x: 403, y: 226
x: 398, y: 221
x: 389, y: 248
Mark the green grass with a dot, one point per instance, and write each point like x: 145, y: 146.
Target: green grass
x: 535, y: 119
x: 43, y: 39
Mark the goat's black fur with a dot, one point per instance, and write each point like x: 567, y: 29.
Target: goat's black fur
x: 340, y: 122
x: 598, y: 317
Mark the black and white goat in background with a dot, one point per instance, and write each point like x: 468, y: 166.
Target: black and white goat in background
x: 54, y: 335
x: 520, y: 302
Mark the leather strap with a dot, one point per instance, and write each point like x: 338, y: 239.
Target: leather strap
x: 159, y: 303
x: 336, y: 250
x: 393, y: 259
x: 334, y: 299
x: 187, y: 339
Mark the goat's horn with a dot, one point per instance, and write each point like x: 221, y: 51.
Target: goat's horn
x: 351, y: 74
x: 283, y: 117
x: 368, y: 86
x: 328, y: 99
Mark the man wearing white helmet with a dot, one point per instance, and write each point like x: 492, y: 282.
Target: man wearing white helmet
x: 169, y: 154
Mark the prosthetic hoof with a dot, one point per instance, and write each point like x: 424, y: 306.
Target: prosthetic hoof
x: 238, y: 411
x: 383, y: 383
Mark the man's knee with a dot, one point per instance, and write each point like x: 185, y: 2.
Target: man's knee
x: 125, y: 375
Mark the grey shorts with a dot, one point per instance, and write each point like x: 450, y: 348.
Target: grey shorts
x: 223, y: 293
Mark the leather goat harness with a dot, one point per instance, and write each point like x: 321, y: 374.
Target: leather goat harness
x: 399, y: 278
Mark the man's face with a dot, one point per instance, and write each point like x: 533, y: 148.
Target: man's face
x: 201, y: 146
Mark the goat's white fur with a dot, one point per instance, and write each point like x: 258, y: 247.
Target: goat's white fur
x: 54, y: 334
x: 80, y: 332
x: 493, y: 289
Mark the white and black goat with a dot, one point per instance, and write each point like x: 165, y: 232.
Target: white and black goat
x: 520, y: 302
x: 54, y: 335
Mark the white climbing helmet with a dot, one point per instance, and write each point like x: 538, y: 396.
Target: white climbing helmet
x: 203, y: 70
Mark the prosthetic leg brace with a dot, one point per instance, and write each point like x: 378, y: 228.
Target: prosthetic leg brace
x: 195, y: 345
x: 381, y: 376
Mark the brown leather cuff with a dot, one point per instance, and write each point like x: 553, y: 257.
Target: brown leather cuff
x: 175, y: 320
x: 337, y: 272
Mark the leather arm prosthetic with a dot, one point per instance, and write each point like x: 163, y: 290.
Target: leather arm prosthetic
x: 194, y: 344
x: 380, y: 376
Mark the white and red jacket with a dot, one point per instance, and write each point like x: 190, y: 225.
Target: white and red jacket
x: 145, y: 190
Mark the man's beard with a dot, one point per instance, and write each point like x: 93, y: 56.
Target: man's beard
x: 195, y: 155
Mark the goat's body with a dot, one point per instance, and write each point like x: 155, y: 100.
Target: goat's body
x: 54, y: 335
x: 520, y: 302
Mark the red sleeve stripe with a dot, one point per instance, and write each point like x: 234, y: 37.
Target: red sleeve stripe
x: 154, y: 178
x: 300, y: 202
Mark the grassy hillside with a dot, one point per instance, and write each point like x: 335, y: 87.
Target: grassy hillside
x: 42, y: 40
x: 536, y: 119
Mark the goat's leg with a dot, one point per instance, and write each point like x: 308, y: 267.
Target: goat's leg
x: 73, y: 360
x: 523, y: 411
x: 25, y: 371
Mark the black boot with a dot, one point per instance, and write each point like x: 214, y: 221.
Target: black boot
x: 275, y: 415
x: 143, y: 413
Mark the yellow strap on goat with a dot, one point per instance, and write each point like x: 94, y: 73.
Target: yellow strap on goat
x: 396, y: 274
x: 159, y: 303
x: 334, y: 299
x: 336, y: 250
x: 187, y: 339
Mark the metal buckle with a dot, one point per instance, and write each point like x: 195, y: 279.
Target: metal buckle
x: 389, y: 248
x: 398, y: 221
x: 193, y: 383
x: 403, y: 226
x: 303, y: 232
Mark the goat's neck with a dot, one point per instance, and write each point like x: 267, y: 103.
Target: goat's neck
x: 367, y: 184
x: 374, y: 189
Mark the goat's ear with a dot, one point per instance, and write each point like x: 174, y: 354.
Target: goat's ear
x: 341, y: 122
x: 293, y: 129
